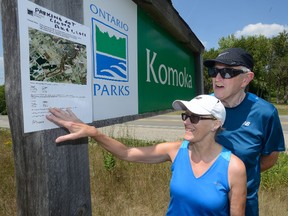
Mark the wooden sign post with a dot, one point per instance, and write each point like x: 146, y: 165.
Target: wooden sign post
x: 50, y: 179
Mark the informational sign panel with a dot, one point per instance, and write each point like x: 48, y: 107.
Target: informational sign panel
x: 114, y: 54
x: 55, y: 65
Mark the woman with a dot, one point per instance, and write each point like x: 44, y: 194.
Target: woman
x: 206, y: 178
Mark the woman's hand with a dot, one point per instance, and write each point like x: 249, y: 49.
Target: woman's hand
x: 149, y: 154
x: 70, y: 121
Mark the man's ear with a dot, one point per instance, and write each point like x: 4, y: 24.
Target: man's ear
x: 247, y: 78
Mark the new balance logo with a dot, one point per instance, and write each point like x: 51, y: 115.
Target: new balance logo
x: 246, y: 123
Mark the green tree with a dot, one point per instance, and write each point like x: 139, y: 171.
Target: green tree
x: 279, y: 66
x: 3, y: 109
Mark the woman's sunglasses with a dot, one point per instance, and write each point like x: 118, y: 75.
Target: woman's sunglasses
x: 194, y: 119
x: 226, y: 73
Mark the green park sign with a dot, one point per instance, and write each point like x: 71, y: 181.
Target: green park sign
x: 137, y: 66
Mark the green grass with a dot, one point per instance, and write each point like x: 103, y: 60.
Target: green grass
x: 273, y: 194
x: 7, y: 176
x: 123, y: 188
x: 282, y: 109
x: 277, y: 176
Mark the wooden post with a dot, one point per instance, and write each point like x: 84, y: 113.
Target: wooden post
x: 50, y: 179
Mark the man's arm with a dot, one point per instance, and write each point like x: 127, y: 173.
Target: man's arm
x: 267, y: 161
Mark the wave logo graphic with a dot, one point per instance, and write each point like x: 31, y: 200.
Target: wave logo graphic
x: 109, y: 52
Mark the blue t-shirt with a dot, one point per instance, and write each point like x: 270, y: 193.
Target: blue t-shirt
x: 205, y: 195
x: 252, y: 129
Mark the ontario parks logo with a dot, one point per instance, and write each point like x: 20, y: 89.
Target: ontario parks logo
x: 109, y: 52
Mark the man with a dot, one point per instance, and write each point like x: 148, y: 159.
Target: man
x: 252, y: 129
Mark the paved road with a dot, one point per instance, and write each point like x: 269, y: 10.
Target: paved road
x: 160, y: 127
x: 167, y: 127
x: 4, y: 121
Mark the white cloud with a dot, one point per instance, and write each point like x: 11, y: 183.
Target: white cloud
x: 267, y: 30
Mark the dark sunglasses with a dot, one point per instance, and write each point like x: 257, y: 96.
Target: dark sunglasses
x: 226, y: 73
x: 195, y: 118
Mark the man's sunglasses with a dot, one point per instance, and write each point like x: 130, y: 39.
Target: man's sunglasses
x: 194, y: 119
x: 226, y: 73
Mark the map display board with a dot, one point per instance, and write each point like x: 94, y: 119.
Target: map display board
x: 55, y: 57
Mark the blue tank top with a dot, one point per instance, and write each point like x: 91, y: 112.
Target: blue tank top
x: 205, y: 195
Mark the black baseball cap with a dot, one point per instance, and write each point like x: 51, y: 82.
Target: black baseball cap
x: 232, y: 57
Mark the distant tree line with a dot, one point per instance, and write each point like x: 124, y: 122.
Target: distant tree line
x: 270, y: 64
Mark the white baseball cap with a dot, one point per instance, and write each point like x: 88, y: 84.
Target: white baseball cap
x: 203, y: 105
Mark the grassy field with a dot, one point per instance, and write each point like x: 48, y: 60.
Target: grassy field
x: 282, y: 109
x: 122, y: 188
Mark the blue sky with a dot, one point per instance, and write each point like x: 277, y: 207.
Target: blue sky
x: 212, y: 19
